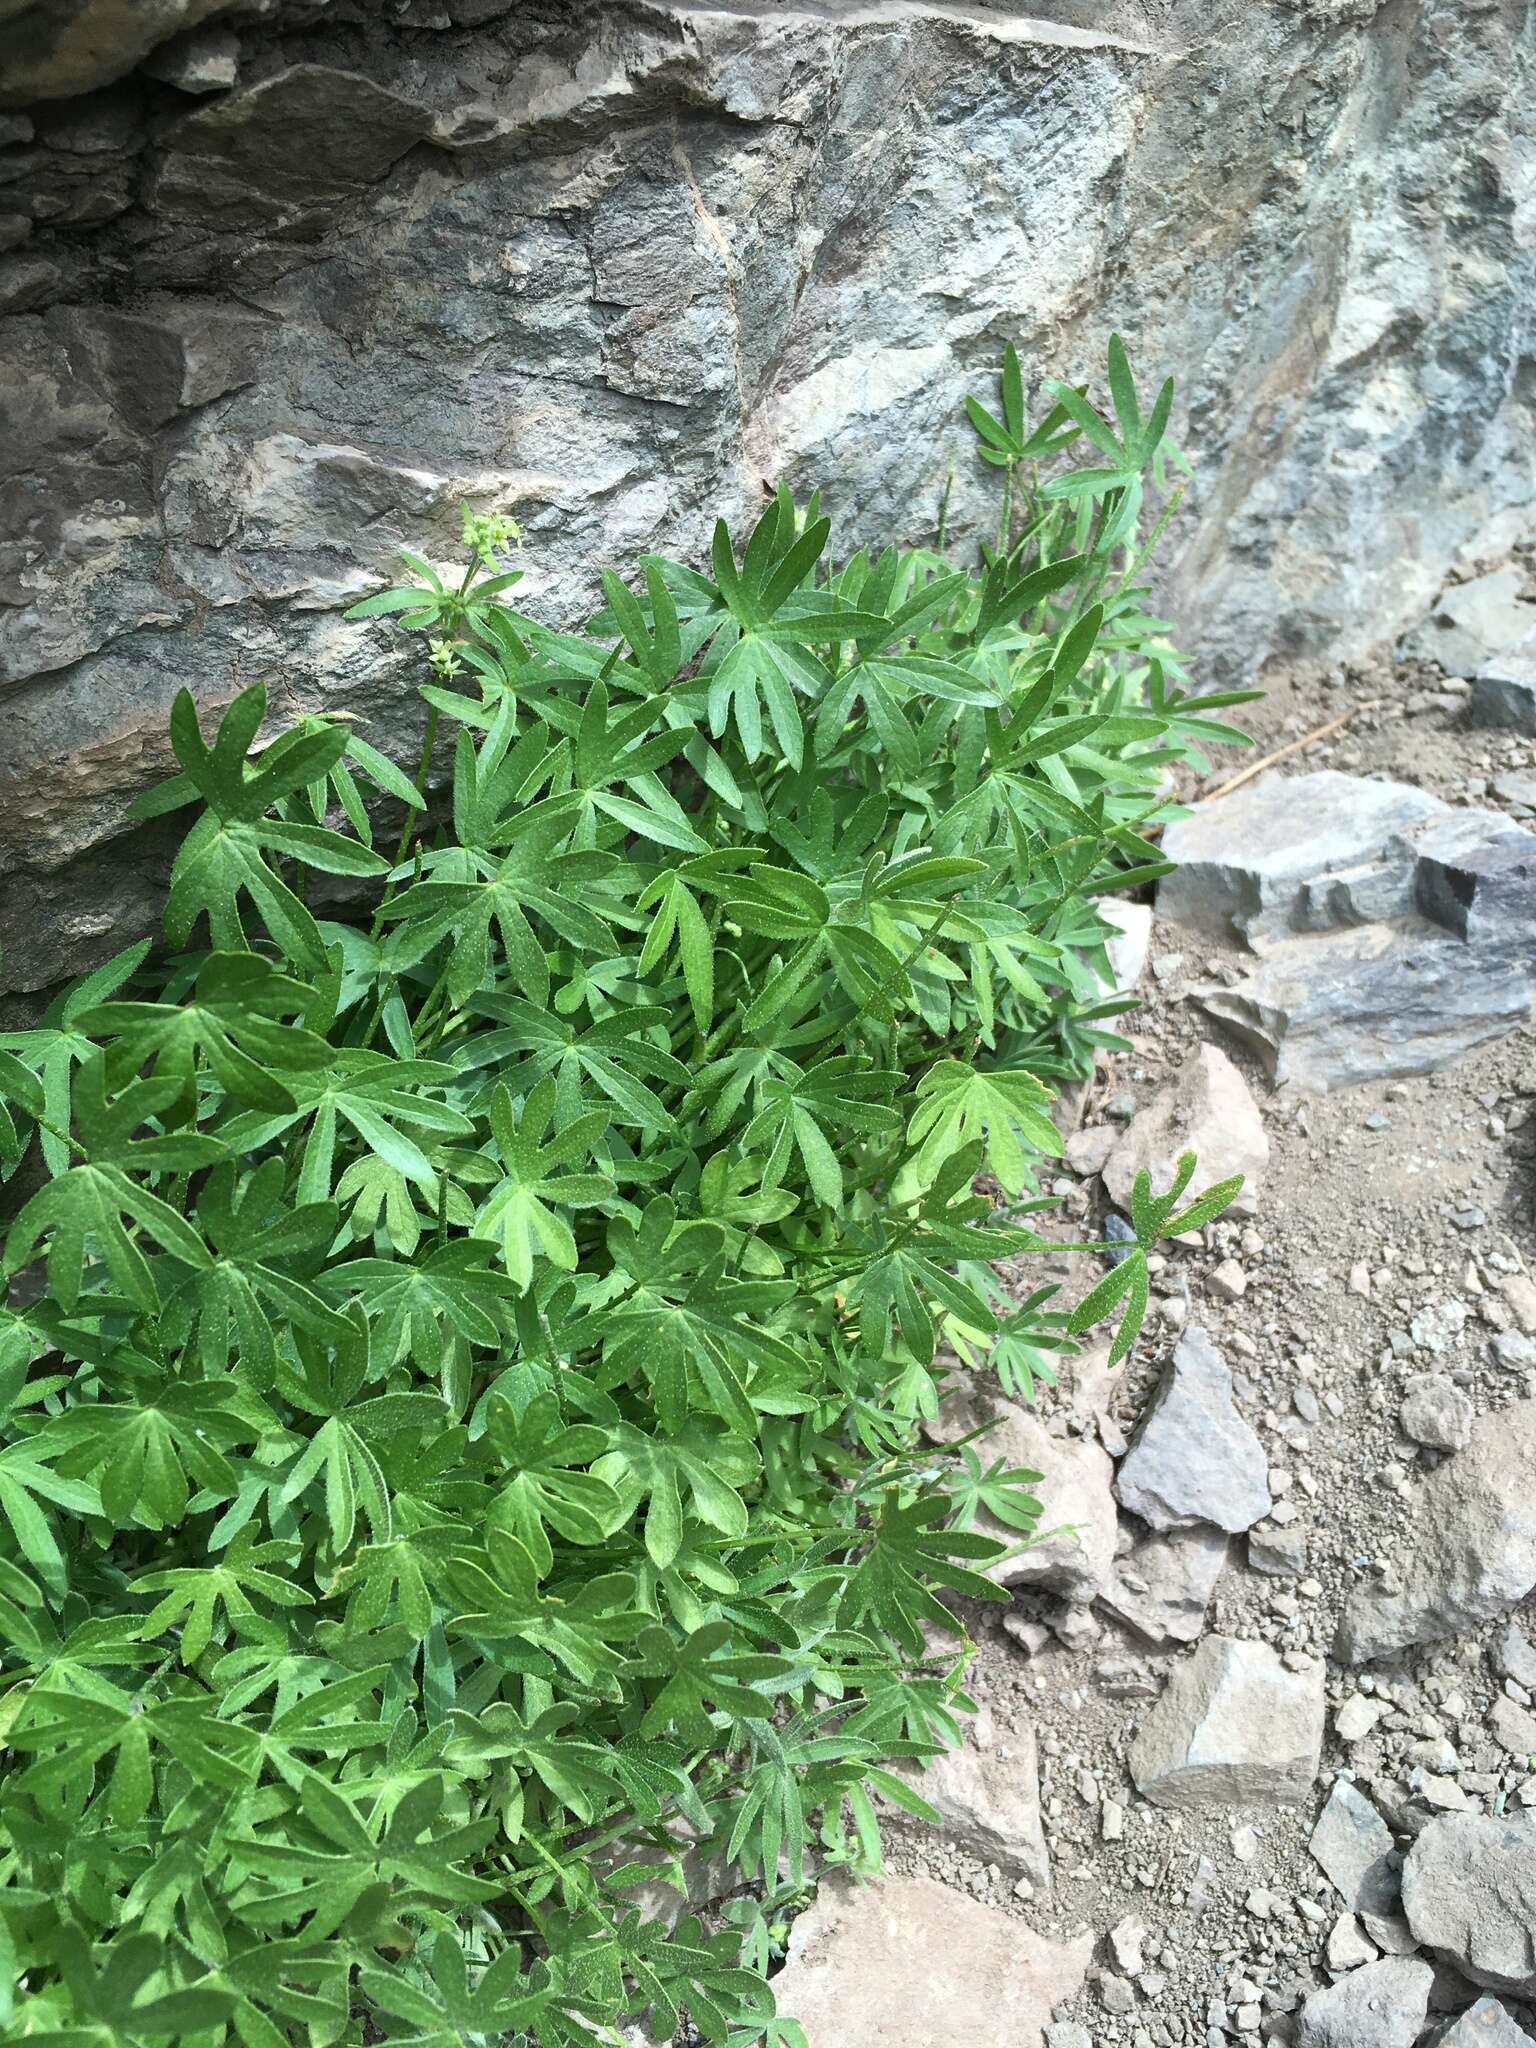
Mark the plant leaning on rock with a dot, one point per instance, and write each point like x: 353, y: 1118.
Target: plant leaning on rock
x: 467, y: 1448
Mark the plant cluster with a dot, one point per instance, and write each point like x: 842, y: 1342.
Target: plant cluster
x: 460, y: 1450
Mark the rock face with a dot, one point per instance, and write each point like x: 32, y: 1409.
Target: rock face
x: 1469, y: 1552
x: 1469, y: 1890
x: 1392, y: 928
x: 610, y: 265
x: 1233, y: 1728
x: 1193, y: 1457
x: 1207, y: 1109
x: 907, y: 1961
x: 1381, y: 2006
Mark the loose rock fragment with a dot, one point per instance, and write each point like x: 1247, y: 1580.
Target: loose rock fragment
x: 1485, y: 2025
x: 1469, y: 1550
x: 1207, y: 1109
x: 1163, y: 1587
x: 1514, y: 1728
x: 1353, y: 1846
x: 1349, y: 1946
x: 987, y: 1793
x: 1383, y: 2005
x: 889, y: 1965
x: 1233, y: 1728
x: 1469, y: 1890
x: 1074, y: 1493
x: 1435, y: 1412
x: 1356, y: 1717
x: 1193, y: 1458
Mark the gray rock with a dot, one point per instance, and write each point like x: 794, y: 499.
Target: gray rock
x: 205, y: 61
x: 1468, y: 1547
x: 1349, y: 1946
x: 1280, y: 1553
x: 1352, y: 1845
x: 642, y: 257
x: 1504, y: 693
x: 1068, y: 2034
x: 1233, y: 1728
x: 888, y: 1965
x: 1295, y: 853
x: 987, y: 1793
x: 1484, y: 2025
x: 1162, y: 1588
x: 1075, y: 1548
x: 1391, y: 924
x: 1473, y: 623
x: 309, y: 135
x: 1469, y: 1890
x: 1383, y: 2005
x: 1435, y: 1412
x: 1514, y: 1729
x: 1364, y: 1005
x: 1193, y: 1458
x: 1206, y: 1109
x: 1514, y: 1656
x: 54, y: 52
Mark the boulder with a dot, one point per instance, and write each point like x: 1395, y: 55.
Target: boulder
x: 1390, y: 924
x: 1468, y: 1547
x: 1075, y: 1550
x: 1383, y: 2005
x: 1233, y: 1728
x: 1207, y: 1109
x: 987, y: 1792
x: 1193, y: 1457
x: 1369, y: 1004
x: 908, y: 1961
x: 1504, y: 691
x: 54, y: 52
x: 1469, y: 1891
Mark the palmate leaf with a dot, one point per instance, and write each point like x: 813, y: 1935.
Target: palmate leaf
x: 909, y: 1553
x: 445, y: 2012
x: 1007, y: 1111
x: 228, y: 854
x: 230, y: 1024
x: 523, y: 1214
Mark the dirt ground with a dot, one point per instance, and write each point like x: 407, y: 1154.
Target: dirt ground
x: 1420, y: 1189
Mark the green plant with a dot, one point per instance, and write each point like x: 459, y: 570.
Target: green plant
x: 464, y: 1452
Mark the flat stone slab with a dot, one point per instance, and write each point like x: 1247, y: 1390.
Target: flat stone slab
x: 1368, y: 1004
x: 908, y: 1962
x: 987, y: 1794
x: 1234, y: 1727
x: 1294, y: 853
x: 1207, y: 1109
